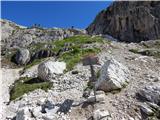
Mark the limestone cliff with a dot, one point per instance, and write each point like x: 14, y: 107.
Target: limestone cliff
x: 129, y: 21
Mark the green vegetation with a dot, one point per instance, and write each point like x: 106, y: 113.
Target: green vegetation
x: 76, y: 53
x: 150, y: 48
x: 148, y: 52
x: 25, y: 85
x: 35, y: 62
x: 134, y: 50
x: 152, y: 44
x: 79, y: 46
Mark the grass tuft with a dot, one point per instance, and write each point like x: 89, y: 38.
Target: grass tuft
x: 26, y: 85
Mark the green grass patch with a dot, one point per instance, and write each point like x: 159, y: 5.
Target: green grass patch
x: 76, y: 49
x: 75, y: 56
x: 77, y: 41
x: 35, y: 62
x: 77, y: 53
x: 150, y: 52
x: 134, y: 50
x: 26, y: 85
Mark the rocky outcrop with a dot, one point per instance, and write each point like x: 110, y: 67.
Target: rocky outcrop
x: 113, y: 76
x: 150, y: 93
x: 17, y: 36
x: 22, y: 56
x: 150, y: 98
x: 48, y: 69
x: 130, y: 21
x: 42, y: 54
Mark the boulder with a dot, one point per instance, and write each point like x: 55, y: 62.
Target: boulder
x: 150, y: 93
x: 100, y: 114
x: 49, y: 68
x: 23, y: 114
x: 22, y: 56
x: 113, y: 76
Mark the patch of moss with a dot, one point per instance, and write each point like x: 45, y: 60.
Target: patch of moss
x: 26, y: 85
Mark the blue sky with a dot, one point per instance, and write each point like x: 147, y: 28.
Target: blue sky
x: 52, y: 14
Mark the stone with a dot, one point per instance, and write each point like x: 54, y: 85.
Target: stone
x: 100, y: 114
x: 23, y: 114
x: 37, y: 111
x: 13, y: 36
x: 113, y: 76
x: 147, y: 110
x: 49, y: 68
x: 150, y: 93
x: 22, y: 56
x: 130, y: 21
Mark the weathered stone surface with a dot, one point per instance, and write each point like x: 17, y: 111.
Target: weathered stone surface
x: 23, y: 114
x: 130, y: 21
x: 113, y: 75
x: 146, y: 110
x: 49, y: 68
x: 100, y: 114
x: 150, y: 93
x: 22, y: 56
x: 42, y: 54
x: 18, y: 36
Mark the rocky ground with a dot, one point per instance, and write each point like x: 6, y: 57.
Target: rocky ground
x: 43, y: 77
x: 64, y: 101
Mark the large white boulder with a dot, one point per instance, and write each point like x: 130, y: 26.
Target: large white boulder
x: 113, y: 76
x: 49, y: 68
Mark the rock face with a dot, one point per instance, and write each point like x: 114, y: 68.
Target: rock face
x: 113, y: 75
x: 42, y: 54
x: 49, y: 68
x: 130, y: 21
x: 22, y: 56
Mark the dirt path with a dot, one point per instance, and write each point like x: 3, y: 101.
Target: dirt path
x: 8, y: 78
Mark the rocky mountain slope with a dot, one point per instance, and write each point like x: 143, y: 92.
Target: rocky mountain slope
x: 137, y: 100
x: 130, y: 21
x: 18, y: 36
x: 44, y: 76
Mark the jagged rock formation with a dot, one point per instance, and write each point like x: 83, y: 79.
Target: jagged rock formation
x: 130, y: 21
x: 18, y: 36
x: 42, y: 54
